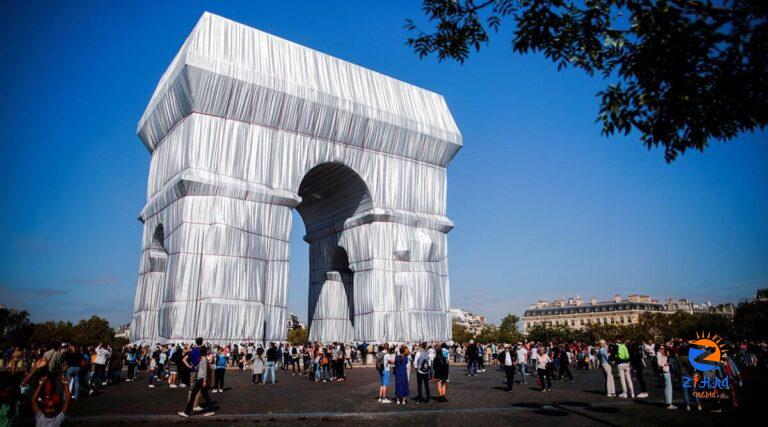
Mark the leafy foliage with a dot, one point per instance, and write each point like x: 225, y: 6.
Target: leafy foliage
x: 547, y: 333
x: 751, y: 320
x: 681, y: 72
x: 15, y: 327
x: 298, y: 336
x: 19, y: 331
x: 659, y: 326
x: 460, y: 333
x: 509, y: 331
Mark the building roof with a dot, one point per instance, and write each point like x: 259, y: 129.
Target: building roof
x: 588, y: 308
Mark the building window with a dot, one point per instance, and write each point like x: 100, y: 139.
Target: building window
x: 573, y: 322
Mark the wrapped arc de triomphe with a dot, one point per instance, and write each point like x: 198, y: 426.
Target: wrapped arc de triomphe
x: 245, y: 126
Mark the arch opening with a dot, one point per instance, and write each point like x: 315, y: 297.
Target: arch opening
x: 158, y: 256
x: 331, y: 193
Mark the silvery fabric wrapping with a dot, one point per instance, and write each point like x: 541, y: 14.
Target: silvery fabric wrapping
x: 244, y: 127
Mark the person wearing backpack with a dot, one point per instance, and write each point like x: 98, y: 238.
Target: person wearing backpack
x: 383, y: 360
x: 622, y: 363
x: 423, y: 371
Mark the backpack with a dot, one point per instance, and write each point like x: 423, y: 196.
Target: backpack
x: 623, y: 353
x: 324, y: 360
x: 424, y: 366
x: 380, y: 361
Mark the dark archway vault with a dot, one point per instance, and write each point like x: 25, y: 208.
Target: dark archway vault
x: 331, y: 194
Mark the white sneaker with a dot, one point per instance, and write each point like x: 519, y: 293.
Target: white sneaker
x: 623, y: 396
x: 642, y: 395
x: 151, y: 386
x: 197, y: 408
x: 209, y: 413
x: 386, y: 401
x: 183, y: 386
x: 671, y: 407
x: 173, y: 386
x: 221, y: 390
x: 184, y: 414
x: 214, y: 391
x: 610, y: 395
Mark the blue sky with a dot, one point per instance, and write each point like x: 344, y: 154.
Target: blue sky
x: 544, y: 206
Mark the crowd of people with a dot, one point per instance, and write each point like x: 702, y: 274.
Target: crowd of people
x: 49, y: 378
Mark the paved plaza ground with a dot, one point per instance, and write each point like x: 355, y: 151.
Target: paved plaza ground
x: 295, y: 400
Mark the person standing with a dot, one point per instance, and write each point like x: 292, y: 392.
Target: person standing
x: 364, y: 353
x: 625, y: 376
x: 130, y: 358
x: 295, y: 360
x: 383, y: 362
x: 638, y: 364
x: 563, y: 367
x: 522, y: 361
x: 200, y: 386
x: 534, y: 356
x: 605, y: 365
x: 162, y: 362
x: 441, y: 370
x: 272, y: 357
x: 185, y: 373
x: 507, y: 358
x: 688, y: 370
x: 401, y: 375
x: 543, y: 370
x: 15, y: 359
x: 221, y: 369
x: 174, y: 363
x: 471, y: 355
x: 100, y: 366
x: 73, y: 359
x: 423, y: 370
x: 338, y: 356
x: 152, y: 371
x: 258, y: 367
x: 662, y: 360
